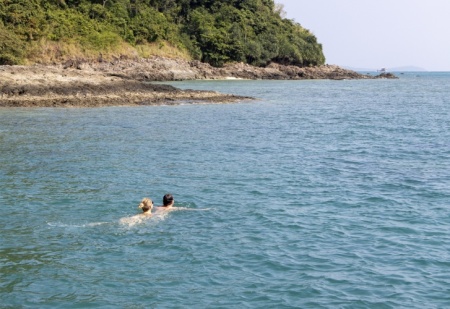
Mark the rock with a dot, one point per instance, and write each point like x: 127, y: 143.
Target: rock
x: 386, y: 75
x: 64, y: 86
x: 166, y: 69
x: 126, y: 81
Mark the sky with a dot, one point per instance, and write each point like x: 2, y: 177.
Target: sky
x: 375, y: 34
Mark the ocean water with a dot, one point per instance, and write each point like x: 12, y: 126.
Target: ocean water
x: 319, y: 194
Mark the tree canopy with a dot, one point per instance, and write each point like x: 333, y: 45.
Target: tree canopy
x: 213, y: 31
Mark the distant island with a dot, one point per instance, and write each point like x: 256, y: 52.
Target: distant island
x: 104, y: 52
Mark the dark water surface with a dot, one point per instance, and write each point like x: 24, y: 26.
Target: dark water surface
x: 322, y: 194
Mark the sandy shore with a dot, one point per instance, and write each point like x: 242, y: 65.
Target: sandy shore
x: 128, y: 82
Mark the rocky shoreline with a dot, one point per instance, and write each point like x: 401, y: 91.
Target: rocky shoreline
x: 128, y: 82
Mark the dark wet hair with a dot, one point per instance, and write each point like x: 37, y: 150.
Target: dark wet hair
x: 167, y: 199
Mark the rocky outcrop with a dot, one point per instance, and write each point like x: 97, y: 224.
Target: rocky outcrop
x: 386, y: 75
x: 127, y: 82
x: 56, y: 86
x: 164, y: 69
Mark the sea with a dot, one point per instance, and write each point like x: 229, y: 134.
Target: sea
x: 317, y: 194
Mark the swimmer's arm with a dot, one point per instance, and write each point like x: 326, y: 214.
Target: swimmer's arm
x: 186, y: 208
x: 173, y: 208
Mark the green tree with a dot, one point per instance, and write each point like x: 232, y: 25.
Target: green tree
x: 26, y: 17
x: 215, y: 31
x: 11, y: 47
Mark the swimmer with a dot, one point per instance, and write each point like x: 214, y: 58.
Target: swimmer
x: 146, y: 205
x: 168, y: 202
x: 167, y: 205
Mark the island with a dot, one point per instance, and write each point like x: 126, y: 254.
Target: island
x: 69, y: 53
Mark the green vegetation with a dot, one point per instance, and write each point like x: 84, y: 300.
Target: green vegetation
x: 213, y: 31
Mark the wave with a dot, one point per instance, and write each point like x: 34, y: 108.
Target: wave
x: 142, y: 219
x: 155, y: 217
x: 125, y: 221
x: 91, y: 224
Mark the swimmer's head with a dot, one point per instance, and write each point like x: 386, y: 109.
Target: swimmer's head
x: 146, y: 205
x: 168, y: 199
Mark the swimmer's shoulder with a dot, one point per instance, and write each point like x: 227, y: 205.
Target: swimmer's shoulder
x: 173, y: 208
x: 161, y: 209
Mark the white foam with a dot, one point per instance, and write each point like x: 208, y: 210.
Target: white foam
x: 59, y: 224
x: 140, y: 219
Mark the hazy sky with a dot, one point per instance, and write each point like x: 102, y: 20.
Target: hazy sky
x: 378, y: 33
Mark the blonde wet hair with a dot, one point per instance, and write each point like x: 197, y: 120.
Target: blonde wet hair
x: 146, y: 204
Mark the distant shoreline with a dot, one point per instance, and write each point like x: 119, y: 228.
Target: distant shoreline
x: 128, y: 82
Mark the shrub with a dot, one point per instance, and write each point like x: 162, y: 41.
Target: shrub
x: 11, y: 47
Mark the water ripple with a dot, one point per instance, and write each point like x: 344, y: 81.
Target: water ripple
x: 326, y: 195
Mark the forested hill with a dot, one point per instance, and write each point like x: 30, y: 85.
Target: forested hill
x: 213, y: 31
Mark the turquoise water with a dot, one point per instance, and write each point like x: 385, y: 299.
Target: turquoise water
x: 322, y: 194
